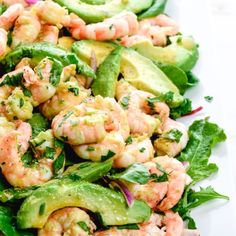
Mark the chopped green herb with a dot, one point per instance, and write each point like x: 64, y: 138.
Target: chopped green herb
x: 12, y: 80
x: 208, y: 98
x: 26, y: 92
x: 136, y: 173
x: 74, y: 177
x: 65, y: 117
x: 109, y: 155
x: 125, y: 102
x: 130, y: 226
x: 142, y: 149
x: 159, y: 178
x: 83, y: 226
x: 90, y: 149
x: 42, y: 208
x: 184, y: 108
x: 129, y: 140
x: 58, y: 164
x: 167, y: 97
x: 49, y: 153
x: 110, y: 27
x: 173, y: 135
x: 74, y: 90
x: 21, y: 102
x: 28, y: 159
x: 58, y: 143
x: 179, y: 40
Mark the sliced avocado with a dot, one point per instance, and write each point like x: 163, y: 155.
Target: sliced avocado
x: 96, y: 13
x: 38, y: 51
x: 182, y: 52
x: 111, y: 205
x: 138, y: 70
x: 87, y: 171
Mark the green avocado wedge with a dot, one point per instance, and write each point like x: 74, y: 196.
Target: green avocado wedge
x: 111, y: 205
x: 38, y: 51
x: 96, y: 13
x: 181, y: 52
x: 138, y: 70
x: 107, y: 74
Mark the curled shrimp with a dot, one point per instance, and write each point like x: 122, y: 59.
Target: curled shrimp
x: 13, y: 147
x: 113, y: 28
x: 49, y: 33
x: 110, y: 147
x: 27, y: 28
x: 141, y: 114
x: 3, y: 42
x: 155, y: 29
x: 8, y: 18
x: 140, y: 150
x: 68, y: 93
x: 68, y: 221
x: 90, y: 121
x: 164, y: 145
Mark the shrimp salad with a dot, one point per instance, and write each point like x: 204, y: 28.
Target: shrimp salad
x: 90, y: 140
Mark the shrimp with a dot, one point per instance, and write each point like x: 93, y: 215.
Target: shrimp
x: 139, y: 112
x: 13, y: 147
x: 68, y: 94
x: 49, y: 33
x: 8, y: 18
x: 26, y: 30
x: 176, y: 181
x: 90, y: 121
x: 155, y: 29
x: 3, y: 42
x: 50, y: 12
x: 11, y: 2
x: 140, y: 150
x: 113, y: 28
x: 110, y: 147
x: 165, y: 145
x: 68, y: 221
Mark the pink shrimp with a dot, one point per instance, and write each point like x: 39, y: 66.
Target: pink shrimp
x: 113, y: 28
x: 3, y: 42
x: 140, y: 114
x: 155, y: 29
x: 164, y: 145
x: 49, y: 33
x: 27, y: 28
x: 8, y: 18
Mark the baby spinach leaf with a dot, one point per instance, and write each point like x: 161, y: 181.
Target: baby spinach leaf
x: 203, y: 136
x: 192, y: 199
x: 184, y: 108
x: 137, y: 173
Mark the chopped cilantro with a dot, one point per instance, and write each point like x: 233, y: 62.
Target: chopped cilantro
x: 21, y: 102
x: 125, y: 102
x: 109, y: 155
x: 173, y: 135
x: 142, y: 149
x: 74, y: 90
x: 208, y: 98
x: 49, y: 153
x: 110, y: 27
x: 129, y: 140
x: 130, y: 226
x: 58, y: 164
x: 83, y: 226
x: 167, y: 97
x: 90, y: 149
x: 42, y: 208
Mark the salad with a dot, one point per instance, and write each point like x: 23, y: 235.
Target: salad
x: 90, y: 141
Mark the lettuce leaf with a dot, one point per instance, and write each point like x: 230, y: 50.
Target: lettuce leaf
x: 203, y: 136
x: 192, y: 199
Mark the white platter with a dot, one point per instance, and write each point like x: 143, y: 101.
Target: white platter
x: 216, y: 218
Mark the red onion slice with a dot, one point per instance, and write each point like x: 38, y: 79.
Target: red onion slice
x: 31, y: 1
x: 194, y: 111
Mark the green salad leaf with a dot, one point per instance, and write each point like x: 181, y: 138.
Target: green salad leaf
x: 203, y: 136
x: 137, y: 173
x: 192, y: 199
x: 7, y: 224
x: 192, y: 79
x: 183, y: 109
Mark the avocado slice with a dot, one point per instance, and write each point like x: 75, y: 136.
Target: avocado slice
x: 111, y: 205
x: 96, y: 13
x: 182, y: 52
x: 38, y: 51
x: 138, y: 70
